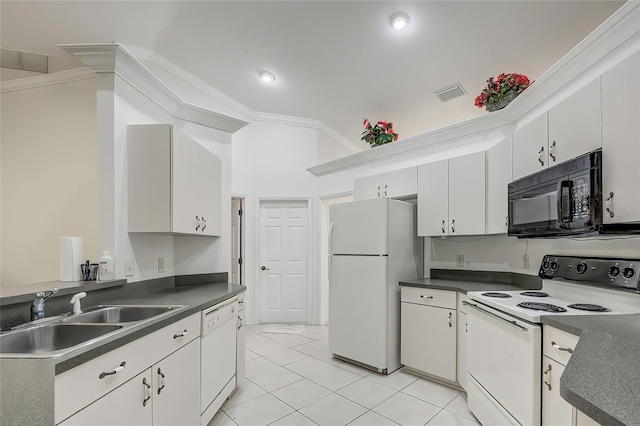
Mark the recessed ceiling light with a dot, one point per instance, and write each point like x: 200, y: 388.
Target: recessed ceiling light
x: 267, y: 76
x: 399, y: 20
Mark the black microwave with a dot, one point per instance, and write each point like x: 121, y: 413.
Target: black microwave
x: 565, y: 199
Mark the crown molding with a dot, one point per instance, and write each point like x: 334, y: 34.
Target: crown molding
x: 60, y: 77
x: 614, y: 40
x: 115, y: 58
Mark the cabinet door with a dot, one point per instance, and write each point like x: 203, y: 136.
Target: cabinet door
x: 176, y: 387
x: 401, y: 183
x: 467, y: 194
x: 185, y: 167
x: 129, y: 404
x: 530, y: 147
x: 240, y: 356
x: 621, y: 141
x: 575, y: 124
x: 555, y: 410
x: 428, y: 339
x: 210, y: 192
x: 433, y: 198
x: 499, y: 174
x: 462, y: 370
x: 367, y: 187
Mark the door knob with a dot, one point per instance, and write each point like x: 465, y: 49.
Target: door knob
x: 264, y: 268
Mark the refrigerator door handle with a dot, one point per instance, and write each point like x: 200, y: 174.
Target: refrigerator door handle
x: 330, y: 262
x: 330, y: 237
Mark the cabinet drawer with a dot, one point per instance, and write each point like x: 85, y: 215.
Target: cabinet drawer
x: 430, y: 297
x: 80, y: 386
x: 558, y: 345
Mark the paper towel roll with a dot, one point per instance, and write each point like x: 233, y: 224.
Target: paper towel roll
x: 70, y: 258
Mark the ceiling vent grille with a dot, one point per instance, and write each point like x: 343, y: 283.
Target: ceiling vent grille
x: 450, y: 92
x: 20, y: 60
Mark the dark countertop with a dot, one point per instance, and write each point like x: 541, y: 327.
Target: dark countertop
x: 194, y: 297
x: 602, y: 377
x: 459, y: 286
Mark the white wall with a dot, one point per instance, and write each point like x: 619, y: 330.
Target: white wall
x: 49, y: 189
x: 269, y: 161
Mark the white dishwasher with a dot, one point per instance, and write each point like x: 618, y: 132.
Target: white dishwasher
x: 217, y: 356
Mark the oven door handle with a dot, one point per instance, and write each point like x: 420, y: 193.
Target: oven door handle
x: 511, y: 323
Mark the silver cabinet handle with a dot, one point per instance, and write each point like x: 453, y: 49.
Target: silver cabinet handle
x: 453, y: 226
x: 547, y: 372
x: 197, y: 222
x: 112, y: 372
x: 560, y: 348
x: 147, y: 394
x: 609, y: 204
x: 511, y: 323
x: 204, y: 223
x: 378, y: 190
x: 161, y: 377
x: 551, y: 153
x: 239, y: 322
x: 385, y: 190
x: 443, y: 230
x: 540, y: 155
x: 184, y: 333
x: 450, y: 324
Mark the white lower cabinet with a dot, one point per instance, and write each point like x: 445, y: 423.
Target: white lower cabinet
x: 164, y: 394
x: 428, y: 332
x: 463, y: 329
x: 240, y: 357
x: 557, y: 347
x: 129, y: 404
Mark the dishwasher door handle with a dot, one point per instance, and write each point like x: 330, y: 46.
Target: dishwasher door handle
x: 484, y: 311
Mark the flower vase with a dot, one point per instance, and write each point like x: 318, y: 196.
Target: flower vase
x: 506, y: 99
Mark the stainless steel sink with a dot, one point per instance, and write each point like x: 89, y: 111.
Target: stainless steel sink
x: 120, y: 314
x: 50, y: 338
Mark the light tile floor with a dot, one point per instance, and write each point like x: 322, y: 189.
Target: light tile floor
x: 293, y: 380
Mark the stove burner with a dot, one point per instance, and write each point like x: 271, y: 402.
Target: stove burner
x: 535, y: 294
x: 496, y: 294
x: 537, y: 306
x: 589, y: 307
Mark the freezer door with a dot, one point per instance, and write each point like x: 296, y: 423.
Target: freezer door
x: 360, y: 227
x: 358, y: 309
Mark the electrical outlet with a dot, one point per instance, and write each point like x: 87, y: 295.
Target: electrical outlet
x: 525, y: 261
x: 128, y: 268
x: 161, y: 264
x: 460, y: 260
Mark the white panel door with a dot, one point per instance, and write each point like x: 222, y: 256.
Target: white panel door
x: 555, y: 410
x: 358, y: 308
x: 210, y: 192
x: 530, y: 147
x: 361, y: 227
x: 433, y: 198
x: 185, y: 200
x: 283, y: 264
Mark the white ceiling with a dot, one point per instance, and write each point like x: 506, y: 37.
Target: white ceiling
x: 336, y: 61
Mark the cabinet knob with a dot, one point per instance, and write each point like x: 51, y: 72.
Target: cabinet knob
x: 608, y: 202
x: 197, y: 222
x: 161, y: 381
x: 551, y: 151
x: 114, y: 371
x: 385, y: 190
x: 204, y: 223
x: 443, y: 230
x: 147, y: 393
x: 540, y: 155
x: 453, y: 226
x: 184, y: 333
x: 547, y: 372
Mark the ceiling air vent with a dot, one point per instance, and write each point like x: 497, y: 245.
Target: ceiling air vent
x: 20, y: 60
x: 447, y: 93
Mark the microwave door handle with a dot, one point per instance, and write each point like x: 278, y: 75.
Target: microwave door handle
x: 565, y: 205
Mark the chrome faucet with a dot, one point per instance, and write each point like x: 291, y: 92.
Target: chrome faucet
x: 37, y: 307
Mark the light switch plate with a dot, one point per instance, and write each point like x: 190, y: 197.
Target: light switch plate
x: 460, y: 260
x: 128, y: 268
x: 161, y: 264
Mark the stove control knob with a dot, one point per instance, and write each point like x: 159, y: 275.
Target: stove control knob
x: 545, y: 264
x: 614, y: 271
x: 554, y: 265
x: 628, y: 272
x: 581, y: 268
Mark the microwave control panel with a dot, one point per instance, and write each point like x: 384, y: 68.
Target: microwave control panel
x: 580, y: 199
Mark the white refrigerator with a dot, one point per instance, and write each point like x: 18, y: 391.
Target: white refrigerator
x: 372, y: 246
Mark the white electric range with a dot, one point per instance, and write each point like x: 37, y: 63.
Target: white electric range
x: 505, y: 334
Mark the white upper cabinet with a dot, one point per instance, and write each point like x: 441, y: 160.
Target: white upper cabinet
x: 621, y: 141
x: 401, y: 183
x: 569, y: 129
x: 499, y: 175
x: 451, y: 196
x: 174, y: 183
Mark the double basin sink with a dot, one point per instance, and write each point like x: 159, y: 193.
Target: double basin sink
x: 60, y: 335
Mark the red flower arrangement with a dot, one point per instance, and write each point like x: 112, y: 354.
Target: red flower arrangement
x: 379, y: 134
x: 509, y: 85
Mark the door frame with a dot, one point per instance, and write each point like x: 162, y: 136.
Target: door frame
x: 241, y: 237
x: 313, y: 292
